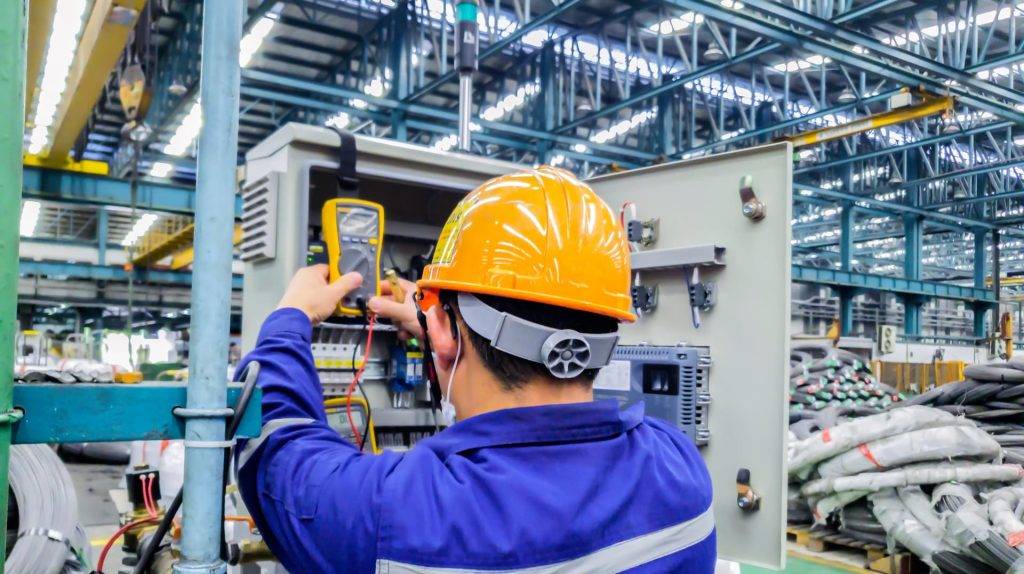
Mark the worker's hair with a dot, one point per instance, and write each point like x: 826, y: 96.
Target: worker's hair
x: 514, y: 372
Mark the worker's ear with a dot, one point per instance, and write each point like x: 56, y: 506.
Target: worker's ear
x: 439, y: 329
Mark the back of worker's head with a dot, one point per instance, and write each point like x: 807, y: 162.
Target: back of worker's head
x: 536, y: 267
x: 514, y: 372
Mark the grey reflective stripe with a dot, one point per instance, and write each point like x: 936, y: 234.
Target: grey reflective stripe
x: 267, y: 430
x: 610, y: 559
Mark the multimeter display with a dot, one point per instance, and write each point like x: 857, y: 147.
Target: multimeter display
x: 352, y: 232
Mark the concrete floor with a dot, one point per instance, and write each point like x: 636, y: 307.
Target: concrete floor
x: 93, y: 483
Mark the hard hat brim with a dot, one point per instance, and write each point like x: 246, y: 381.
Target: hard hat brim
x: 522, y: 295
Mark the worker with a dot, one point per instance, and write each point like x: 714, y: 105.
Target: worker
x: 520, y: 305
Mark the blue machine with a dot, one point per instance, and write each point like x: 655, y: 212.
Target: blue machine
x: 673, y: 382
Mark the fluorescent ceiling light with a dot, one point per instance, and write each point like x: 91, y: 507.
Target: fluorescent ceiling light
x: 339, y: 120
x: 624, y: 126
x: 161, y: 169
x: 252, y: 41
x: 29, y: 217
x: 511, y: 102
x: 187, y: 131
x: 142, y: 225
x: 447, y: 142
x: 60, y: 53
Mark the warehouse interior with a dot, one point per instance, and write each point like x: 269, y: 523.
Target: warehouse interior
x: 823, y: 210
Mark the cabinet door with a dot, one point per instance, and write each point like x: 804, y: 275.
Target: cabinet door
x: 697, y: 203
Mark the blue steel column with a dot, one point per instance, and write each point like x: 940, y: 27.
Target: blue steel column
x: 846, y: 264
x: 548, y: 100
x: 912, y: 225
x: 979, y: 280
x: 211, y: 286
x: 400, y: 56
x: 102, y: 223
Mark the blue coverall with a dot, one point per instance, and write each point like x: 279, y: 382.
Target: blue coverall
x: 579, y: 488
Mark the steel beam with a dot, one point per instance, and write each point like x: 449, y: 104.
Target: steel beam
x: 963, y: 222
x: 70, y: 187
x: 694, y: 75
x: 60, y: 270
x: 966, y: 172
x: 500, y: 45
x: 888, y: 150
x: 867, y: 281
x: 961, y: 81
x: 54, y: 412
x: 12, y: 126
x: 413, y: 109
x: 780, y: 28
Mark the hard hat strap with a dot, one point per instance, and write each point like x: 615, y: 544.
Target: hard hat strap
x: 565, y: 352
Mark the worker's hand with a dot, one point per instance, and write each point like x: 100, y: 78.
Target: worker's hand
x: 310, y: 292
x: 401, y: 313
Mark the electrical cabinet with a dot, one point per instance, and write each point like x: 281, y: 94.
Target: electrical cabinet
x: 288, y: 178
x: 712, y: 284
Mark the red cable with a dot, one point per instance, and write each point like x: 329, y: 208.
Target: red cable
x: 144, y: 480
x: 110, y: 543
x: 355, y: 381
x: 154, y: 510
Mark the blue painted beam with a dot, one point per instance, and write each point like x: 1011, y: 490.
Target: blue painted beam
x: 72, y: 187
x: 819, y: 35
x: 250, y: 79
x: 866, y: 201
x: 56, y: 413
x: 901, y: 286
x: 889, y: 150
x: 749, y: 55
x: 108, y: 273
x: 499, y: 46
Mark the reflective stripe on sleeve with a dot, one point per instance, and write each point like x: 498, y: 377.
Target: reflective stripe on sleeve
x: 267, y: 430
x: 610, y: 559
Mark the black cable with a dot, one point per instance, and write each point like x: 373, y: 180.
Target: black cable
x: 362, y: 336
x: 250, y: 375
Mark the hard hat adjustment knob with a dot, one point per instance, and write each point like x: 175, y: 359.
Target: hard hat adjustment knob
x: 566, y: 354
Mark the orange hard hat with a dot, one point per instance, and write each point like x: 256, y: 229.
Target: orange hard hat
x: 539, y: 235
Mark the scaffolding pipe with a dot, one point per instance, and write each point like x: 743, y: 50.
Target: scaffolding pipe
x: 12, y: 91
x: 211, y: 288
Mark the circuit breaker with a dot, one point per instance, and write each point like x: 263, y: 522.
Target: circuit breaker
x: 673, y: 382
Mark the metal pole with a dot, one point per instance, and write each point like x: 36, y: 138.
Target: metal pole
x: 465, y: 109
x: 12, y: 91
x: 467, y: 47
x: 211, y: 288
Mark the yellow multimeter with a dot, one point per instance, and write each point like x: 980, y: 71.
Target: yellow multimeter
x: 353, y: 230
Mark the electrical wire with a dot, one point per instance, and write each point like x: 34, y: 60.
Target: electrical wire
x: 120, y: 532
x: 360, y: 439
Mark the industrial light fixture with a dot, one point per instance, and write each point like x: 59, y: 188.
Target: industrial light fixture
x: 60, y: 53
x: 511, y: 102
x: 252, y: 41
x: 1018, y: 141
x: 895, y: 179
x: 622, y: 127
x: 186, y: 132
x: 339, y: 121
x: 714, y: 53
x: 580, y: 148
x: 142, y: 225
x: 161, y: 169
x: 846, y: 96
x: 29, y: 217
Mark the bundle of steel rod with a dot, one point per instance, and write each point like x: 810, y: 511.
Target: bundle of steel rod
x: 916, y: 477
x: 823, y: 377
x: 992, y: 395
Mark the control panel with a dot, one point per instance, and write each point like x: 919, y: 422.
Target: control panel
x: 673, y: 382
